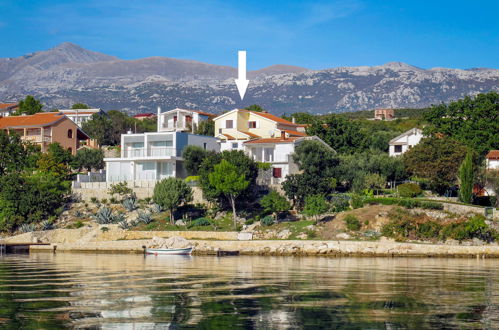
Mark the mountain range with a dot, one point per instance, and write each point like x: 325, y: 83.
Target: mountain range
x: 68, y: 74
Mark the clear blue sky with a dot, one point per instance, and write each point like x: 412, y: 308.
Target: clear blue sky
x: 313, y: 34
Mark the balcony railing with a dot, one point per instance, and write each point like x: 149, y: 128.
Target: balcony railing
x: 37, y: 138
x: 149, y: 152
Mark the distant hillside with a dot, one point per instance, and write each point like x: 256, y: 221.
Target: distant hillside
x: 68, y: 74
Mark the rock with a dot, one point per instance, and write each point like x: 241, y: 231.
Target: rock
x: 284, y: 234
x: 172, y: 242
x: 179, y: 223
x: 311, y: 227
x: 302, y: 236
x: 343, y: 236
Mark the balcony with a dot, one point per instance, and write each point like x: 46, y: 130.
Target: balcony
x: 37, y: 138
x: 149, y: 152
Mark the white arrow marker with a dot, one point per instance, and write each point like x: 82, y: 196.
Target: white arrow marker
x: 241, y: 81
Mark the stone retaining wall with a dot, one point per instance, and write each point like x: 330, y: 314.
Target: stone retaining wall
x: 293, y: 247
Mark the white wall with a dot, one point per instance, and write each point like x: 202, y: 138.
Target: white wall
x: 493, y: 164
x: 118, y: 171
x: 200, y: 140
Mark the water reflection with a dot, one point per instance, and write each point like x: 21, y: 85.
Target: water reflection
x: 136, y: 292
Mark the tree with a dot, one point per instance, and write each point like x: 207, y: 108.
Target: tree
x: 302, y: 118
x: 492, y: 180
x: 436, y: 159
x: 121, y: 189
x: 474, y: 121
x: 343, y: 135
x: 80, y: 106
x: 89, y: 159
x: 227, y: 181
x: 100, y: 128
x: 315, y: 205
x: 274, y: 203
x: 193, y: 157
x: 59, y: 154
x: 205, y: 127
x: 29, y: 106
x: 13, y: 152
x: 466, y: 177
x: 170, y: 193
x: 255, y: 107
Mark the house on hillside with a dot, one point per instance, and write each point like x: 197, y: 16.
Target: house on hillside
x: 153, y: 156
x: 262, y: 136
x: 7, y: 109
x: 405, y: 141
x: 45, y: 128
x: 80, y: 116
x: 181, y: 120
x: 384, y: 114
x: 142, y: 116
x: 492, y: 160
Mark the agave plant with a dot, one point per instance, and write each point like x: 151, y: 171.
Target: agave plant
x: 117, y: 218
x: 124, y: 225
x: 27, y: 228
x: 130, y: 203
x: 155, y: 208
x: 47, y: 225
x: 144, y: 217
x: 104, y: 216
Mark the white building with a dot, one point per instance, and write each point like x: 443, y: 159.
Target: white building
x: 492, y: 160
x: 405, y: 141
x: 80, y: 116
x: 7, y: 109
x: 181, y: 120
x: 154, y: 156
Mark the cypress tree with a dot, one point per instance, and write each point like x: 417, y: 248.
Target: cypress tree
x: 466, y: 178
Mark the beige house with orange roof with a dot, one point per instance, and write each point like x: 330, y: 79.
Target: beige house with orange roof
x: 262, y: 136
x: 45, y: 128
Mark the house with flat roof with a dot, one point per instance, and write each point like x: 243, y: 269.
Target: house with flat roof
x: 153, y: 156
x: 45, y: 128
x: 405, y: 141
x: 7, y: 109
x: 80, y: 116
x: 264, y: 137
x: 181, y: 120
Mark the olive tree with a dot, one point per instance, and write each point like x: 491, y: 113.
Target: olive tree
x: 171, y: 193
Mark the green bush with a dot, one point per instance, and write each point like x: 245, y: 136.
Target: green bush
x: 409, y: 190
x: 431, y: 205
x: 201, y: 222
x: 267, y: 221
x: 78, y: 224
x: 357, y: 201
x: 94, y: 200
x: 340, y: 202
x: 352, y: 222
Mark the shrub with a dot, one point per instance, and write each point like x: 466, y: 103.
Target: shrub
x: 78, y: 224
x: 46, y: 225
x: 27, y: 228
x: 113, y: 200
x: 340, y: 202
x: 94, y: 200
x: 408, y: 203
x: 120, y: 189
x: 104, y: 229
x: 352, y: 222
x: 148, y: 200
x: 409, y: 190
x: 315, y: 205
x: 357, y: 201
x: 201, y: 222
x: 267, y: 221
x: 104, y: 201
x: 275, y: 203
x: 171, y: 193
x: 155, y: 208
x: 431, y: 205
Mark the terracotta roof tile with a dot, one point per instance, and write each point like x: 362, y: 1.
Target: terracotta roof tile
x: 39, y: 119
x: 8, y: 105
x: 272, y: 140
x: 271, y: 117
x: 251, y: 134
x: 493, y: 154
x: 295, y: 133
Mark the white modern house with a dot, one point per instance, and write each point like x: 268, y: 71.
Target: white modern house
x: 405, y: 141
x: 154, y: 156
x: 183, y: 120
x: 80, y: 116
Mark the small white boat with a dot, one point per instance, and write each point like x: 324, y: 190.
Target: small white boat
x: 184, y: 252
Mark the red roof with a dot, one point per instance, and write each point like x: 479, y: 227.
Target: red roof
x: 296, y: 133
x: 271, y: 117
x: 251, y: 134
x: 229, y: 137
x: 145, y: 115
x: 272, y: 140
x: 493, y: 154
x: 36, y: 120
x: 8, y: 105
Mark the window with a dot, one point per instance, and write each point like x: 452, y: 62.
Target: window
x: 220, y: 131
x: 398, y: 149
x: 252, y: 124
x: 70, y: 133
x: 277, y: 172
x: 188, y: 119
x: 234, y: 145
x: 204, y: 145
x: 229, y: 124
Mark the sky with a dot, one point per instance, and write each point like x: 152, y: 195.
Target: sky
x: 313, y: 34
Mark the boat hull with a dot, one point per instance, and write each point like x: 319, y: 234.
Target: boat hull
x: 184, y: 252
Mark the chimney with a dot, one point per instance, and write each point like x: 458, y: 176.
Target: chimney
x: 293, y: 120
x: 283, y: 135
